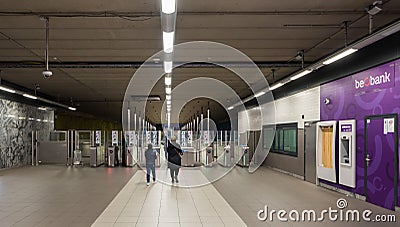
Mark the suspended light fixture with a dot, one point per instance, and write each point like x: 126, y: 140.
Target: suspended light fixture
x: 168, y: 42
x: 259, y: 94
x: 301, y: 74
x: 168, y: 90
x: 339, y: 56
x: 29, y: 96
x: 7, y: 89
x: 167, y: 66
x: 168, y: 80
x: 168, y: 6
x: 275, y: 86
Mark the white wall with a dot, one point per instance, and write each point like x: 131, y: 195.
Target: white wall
x: 287, y: 110
x: 291, y: 108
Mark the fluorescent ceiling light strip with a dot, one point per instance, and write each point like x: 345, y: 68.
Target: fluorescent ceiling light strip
x: 168, y: 80
x: 168, y: 6
x: 29, y: 96
x: 168, y: 90
x: 167, y: 66
x: 339, y: 56
x: 275, y: 86
x: 168, y: 42
x: 42, y: 108
x: 7, y: 89
x: 259, y: 94
x: 168, y: 97
x: 230, y: 108
x: 72, y: 108
x: 301, y: 74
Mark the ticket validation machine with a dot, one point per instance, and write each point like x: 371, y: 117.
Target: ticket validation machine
x: 111, y: 156
x: 347, y: 153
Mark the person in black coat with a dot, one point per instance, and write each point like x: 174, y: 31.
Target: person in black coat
x: 174, y: 158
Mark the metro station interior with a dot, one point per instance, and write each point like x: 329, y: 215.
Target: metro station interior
x: 199, y: 113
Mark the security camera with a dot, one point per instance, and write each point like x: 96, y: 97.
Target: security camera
x: 327, y: 101
x: 47, y: 73
x: 374, y: 8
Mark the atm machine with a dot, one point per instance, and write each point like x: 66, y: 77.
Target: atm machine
x: 347, y: 153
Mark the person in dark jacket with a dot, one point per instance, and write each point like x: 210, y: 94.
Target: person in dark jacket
x: 174, y: 158
x: 151, y: 156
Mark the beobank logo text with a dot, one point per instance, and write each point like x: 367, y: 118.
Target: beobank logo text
x: 372, y: 81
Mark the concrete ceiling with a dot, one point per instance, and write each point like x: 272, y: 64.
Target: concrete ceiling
x: 121, y: 31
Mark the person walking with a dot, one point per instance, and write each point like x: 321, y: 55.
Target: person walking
x: 174, y: 159
x: 151, y: 156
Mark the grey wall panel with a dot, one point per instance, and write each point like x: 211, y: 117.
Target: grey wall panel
x: 289, y: 163
x: 17, y: 121
x: 310, y: 153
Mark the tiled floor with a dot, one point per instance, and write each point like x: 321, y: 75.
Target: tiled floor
x: 65, y: 196
x: 58, y: 195
x: 164, y: 205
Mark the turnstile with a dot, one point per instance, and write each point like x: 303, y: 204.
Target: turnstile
x: 96, y: 156
x: 188, y: 158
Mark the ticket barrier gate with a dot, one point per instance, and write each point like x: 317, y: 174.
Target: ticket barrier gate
x: 245, y: 160
x: 96, y: 156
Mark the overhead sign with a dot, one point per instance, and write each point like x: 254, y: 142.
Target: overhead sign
x: 98, y: 137
x: 377, y: 78
x: 114, y: 139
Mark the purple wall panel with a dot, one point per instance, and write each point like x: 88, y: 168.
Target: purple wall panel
x: 378, y: 93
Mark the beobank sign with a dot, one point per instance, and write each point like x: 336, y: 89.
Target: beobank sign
x: 375, y: 78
